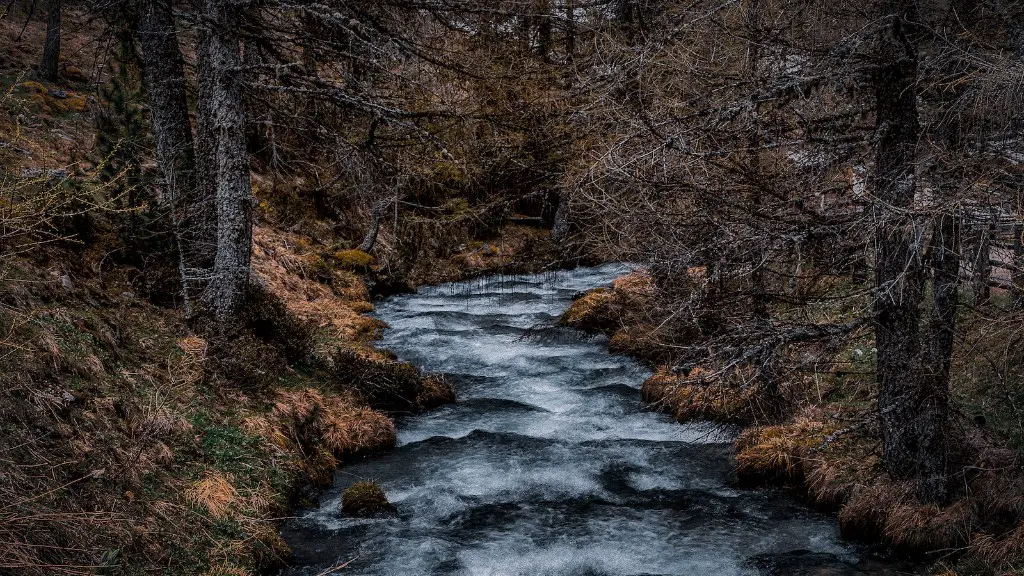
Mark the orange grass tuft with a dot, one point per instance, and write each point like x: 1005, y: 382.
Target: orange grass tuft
x: 214, y: 492
x: 699, y: 395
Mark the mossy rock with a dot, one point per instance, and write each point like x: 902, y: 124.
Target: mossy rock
x: 365, y: 500
x: 56, y: 101
x: 355, y: 260
x: 35, y: 87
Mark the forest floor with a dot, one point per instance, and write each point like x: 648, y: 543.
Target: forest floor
x: 827, y: 447
x: 130, y: 442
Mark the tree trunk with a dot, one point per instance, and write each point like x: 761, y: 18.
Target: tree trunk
x: 543, y: 30
x: 899, y: 278
x: 51, y: 46
x: 759, y: 290
x: 223, y: 130
x: 370, y: 240
x: 1018, y: 266
x: 982, y: 265
x: 934, y: 412
x: 193, y: 214
x: 768, y: 376
x: 561, y: 226
x: 570, y: 31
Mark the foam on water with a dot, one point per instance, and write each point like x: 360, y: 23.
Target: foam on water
x: 549, y: 465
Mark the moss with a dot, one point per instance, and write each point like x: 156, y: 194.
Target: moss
x: 40, y: 95
x: 228, y: 448
x: 34, y: 87
x: 355, y: 260
x: 365, y: 499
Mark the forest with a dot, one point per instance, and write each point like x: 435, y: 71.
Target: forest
x: 210, y: 208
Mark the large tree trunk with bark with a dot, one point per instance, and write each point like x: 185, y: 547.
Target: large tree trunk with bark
x: 912, y: 411
x: 222, y: 130
x: 981, y: 267
x: 933, y: 447
x: 192, y: 208
x: 51, y: 46
x: 560, y: 229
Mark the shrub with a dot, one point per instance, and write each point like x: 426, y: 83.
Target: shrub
x: 320, y: 269
x: 436, y: 392
x: 592, y: 312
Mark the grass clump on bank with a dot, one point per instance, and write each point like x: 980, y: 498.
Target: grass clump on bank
x: 365, y: 499
x: 699, y: 395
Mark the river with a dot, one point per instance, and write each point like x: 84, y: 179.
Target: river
x: 549, y: 464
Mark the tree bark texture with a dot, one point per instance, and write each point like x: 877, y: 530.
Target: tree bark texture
x: 223, y: 133
x: 981, y: 267
x: 370, y: 240
x: 912, y: 404
x: 933, y: 447
x: 193, y: 213
x: 560, y: 229
x: 51, y: 46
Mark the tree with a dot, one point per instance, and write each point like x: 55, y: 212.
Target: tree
x: 222, y: 119
x: 187, y: 191
x: 912, y: 399
x: 51, y: 46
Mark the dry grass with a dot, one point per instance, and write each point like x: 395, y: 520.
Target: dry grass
x: 700, y: 395
x: 840, y: 470
x: 589, y: 310
x: 642, y: 341
x: 365, y: 499
x: 323, y: 428
x: 436, y: 392
x: 609, y: 310
x: 227, y: 570
x: 214, y: 492
x: 889, y: 511
x: 783, y: 452
x: 188, y: 369
x: 281, y: 260
x: 113, y: 440
x: 636, y: 284
x: 514, y: 249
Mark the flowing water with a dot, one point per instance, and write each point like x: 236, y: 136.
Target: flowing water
x: 549, y: 464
